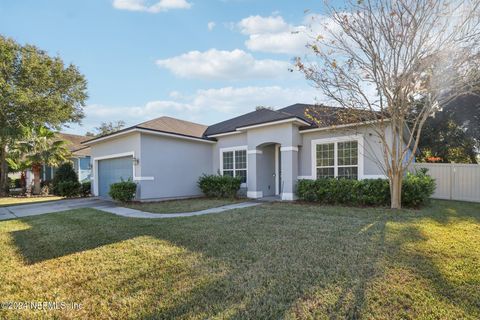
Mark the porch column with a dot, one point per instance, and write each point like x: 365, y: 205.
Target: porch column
x: 289, y: 156
x: 253, y: 187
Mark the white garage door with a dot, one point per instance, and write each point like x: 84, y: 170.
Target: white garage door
x: 111, y: 171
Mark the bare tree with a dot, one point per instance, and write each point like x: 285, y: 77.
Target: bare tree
x: 378, y: 59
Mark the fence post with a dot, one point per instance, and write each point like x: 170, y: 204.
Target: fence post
x: 452, y: 172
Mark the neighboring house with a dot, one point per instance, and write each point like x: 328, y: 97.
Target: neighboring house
x: 269, y: 149
x: 80, y: 158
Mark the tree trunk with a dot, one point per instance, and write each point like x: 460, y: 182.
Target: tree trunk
x: 23, y: 181
x: 396, y: 191
x: 3, y: 170
x: 36, y: 179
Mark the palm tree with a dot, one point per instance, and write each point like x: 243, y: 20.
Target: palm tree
x: 41, y: 147
x: 17, y: 163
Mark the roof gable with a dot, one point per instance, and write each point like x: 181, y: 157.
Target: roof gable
x: 259, y: 116
x: 162, y: 125
x: 176, y: 126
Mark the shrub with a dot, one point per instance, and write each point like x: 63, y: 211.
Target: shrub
x: 64, y: 173
x: 219, y: 186
x: 375, y: 192
x: 86, y: 189
x: 68, y: 189
x: 416, y: 191
x: 123, y: 191
x: 46, y: 187
x: 344, y: 191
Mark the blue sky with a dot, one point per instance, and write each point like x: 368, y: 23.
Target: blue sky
x: 203, y: 61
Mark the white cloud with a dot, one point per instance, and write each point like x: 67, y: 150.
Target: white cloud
x: 235, y: 101
x: 289, y: 42
x: 150, y: 110
x: 272, y: 34
x: 206, y: 106
x: 211, y: 25
x: 143, y: 5
x: 227, y: 65
x: 258, y: 24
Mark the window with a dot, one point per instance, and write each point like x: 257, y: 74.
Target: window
x: 347, y: 159
x: 326, y: 160
x: 337, y: 159
x: 85, y: 163
x: 235, y: 164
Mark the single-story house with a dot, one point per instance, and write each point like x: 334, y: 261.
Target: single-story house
x: 80, y: 158
x: 269, y: 149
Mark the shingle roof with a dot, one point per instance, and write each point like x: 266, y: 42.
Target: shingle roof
x: 321, y: 116
x: 255, y: 117
x: 176, y: 126
x: 297, y: 110
x: 327, y: 116
x: 165, y: 125
x: 318, y: 116
x: 74, y: 143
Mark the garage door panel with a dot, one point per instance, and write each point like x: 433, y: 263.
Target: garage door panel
x: 112, y: 171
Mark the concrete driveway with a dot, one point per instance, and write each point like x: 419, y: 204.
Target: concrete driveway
x: 34, y: 209
x: 15, y: 212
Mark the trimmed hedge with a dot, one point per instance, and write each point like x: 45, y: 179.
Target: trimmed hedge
x: 416, y: 191
x: 123, y: 191
x: 219, y: 186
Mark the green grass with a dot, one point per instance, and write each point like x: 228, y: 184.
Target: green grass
x: 14, y: 201
x: 184, y: 205
x: 272, y: 261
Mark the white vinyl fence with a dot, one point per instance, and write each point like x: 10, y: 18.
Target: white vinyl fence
x: 454, y: 181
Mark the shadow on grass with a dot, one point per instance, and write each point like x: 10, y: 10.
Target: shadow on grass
x: 445, y: 211
x: 280, y: 260
x: 408, y: 249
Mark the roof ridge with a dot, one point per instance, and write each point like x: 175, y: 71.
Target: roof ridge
x: 242, y: 115
x: 284, y: 112
x: 168, y: 117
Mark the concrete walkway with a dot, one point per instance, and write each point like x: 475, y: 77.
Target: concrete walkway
x: 14, y: 212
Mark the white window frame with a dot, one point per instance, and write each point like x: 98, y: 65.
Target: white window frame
x: 237, y: 148
x: 360, y: 156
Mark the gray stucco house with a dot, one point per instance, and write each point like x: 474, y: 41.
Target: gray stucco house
x: 269, y: 149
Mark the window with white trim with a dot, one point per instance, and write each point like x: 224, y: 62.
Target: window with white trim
x: 337, y: 160
x: 235, y: 164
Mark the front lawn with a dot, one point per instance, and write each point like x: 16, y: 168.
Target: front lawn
x: 272, y: 261
x: 13, y: 201
x: 180, y: 206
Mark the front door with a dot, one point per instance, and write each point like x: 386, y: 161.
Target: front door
x: 278, y: 173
